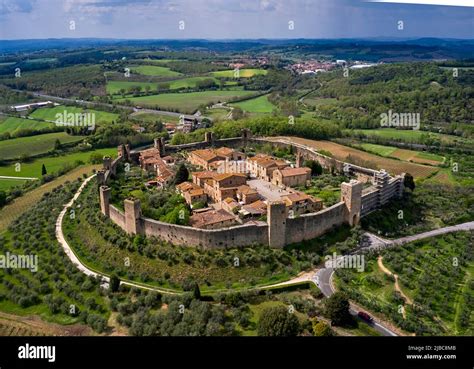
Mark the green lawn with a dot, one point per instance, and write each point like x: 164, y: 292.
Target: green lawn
x: 101, y: 117
x: 52, y: 164
x: 243, y: 73
x: 34, y: 145
x: 258, y: 105
x: 152, y: 70
x: 13, y: 124
x: 378, y: 149
x: 188, y: 101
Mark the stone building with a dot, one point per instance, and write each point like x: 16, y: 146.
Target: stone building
x: 291, y: 177
x: 246, y: 194
x: 298, y: 203
x: 204, y: 158
x: 212, y: 219
x: 224, y: 185
x: 262, y: 166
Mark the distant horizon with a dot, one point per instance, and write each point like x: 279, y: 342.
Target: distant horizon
x: 375, y: 38
x: 231, y: 19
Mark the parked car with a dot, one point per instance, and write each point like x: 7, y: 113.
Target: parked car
x: 364, y: 316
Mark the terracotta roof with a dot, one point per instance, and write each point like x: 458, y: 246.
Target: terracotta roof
x: 187, y: 186
x: 245, y: 189
x: 204, y: 154
x: 196, y: 192
x: 211, y: 217
x: 222, y: 176
x: 298, y: 196
x: 225, y: 151
x: 288, y: 172
x: 259, y: 204
x: 205, y: 174
x: 153, y: 152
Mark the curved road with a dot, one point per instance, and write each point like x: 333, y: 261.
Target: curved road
x: 321, y: 277
x: 75, y: 260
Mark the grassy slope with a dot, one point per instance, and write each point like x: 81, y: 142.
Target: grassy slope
x: 258, y: 105
x: 34, y: 145
x: 23, y: 203
x: 52, y: 164
x: 13, y: 124
x: 190, y: 100
x: 101, y: 117
x: 243, y: 73
x: 151, y: 70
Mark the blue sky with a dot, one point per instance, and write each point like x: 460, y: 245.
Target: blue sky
x: 230, y: 19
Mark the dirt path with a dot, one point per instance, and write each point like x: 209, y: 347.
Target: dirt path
x: 396, y: 284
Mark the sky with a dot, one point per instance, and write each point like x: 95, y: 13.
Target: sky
x: 231, y: 19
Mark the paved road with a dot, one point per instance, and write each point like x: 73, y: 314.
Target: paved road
x: 75, y: 260
x: 323, y: 277
x: 19, y: 178
x: 379, y: 242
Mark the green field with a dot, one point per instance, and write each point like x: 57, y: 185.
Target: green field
x: 151, y: 117
x: 403, y: 154
x: 410, y: 135
x: 114, y: 87
x: 13, y: 124
x: 101, y: 117
x: 188, y: 101
x: 152, y: 70
x: 155, y: 61
x: 52, y: 163
x: 5, y: 184
x: 258, y: 105
x: 378, y: 149
x: 243, y: 73
x: 34, y: 145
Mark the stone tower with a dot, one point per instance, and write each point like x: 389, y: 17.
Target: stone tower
x: 276, y: 219
x: 133, y: 213
x: 105, y: 200
x: 124, y: 152
x: 351, y: 194
x: 299, y: 160
x: 208, y: 137
x: 101, y: 177
x: 159, y: 143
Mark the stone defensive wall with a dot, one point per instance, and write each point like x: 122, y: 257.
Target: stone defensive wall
x: 279, y: 229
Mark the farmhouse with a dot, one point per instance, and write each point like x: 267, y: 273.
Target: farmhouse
x: 291, y: 177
